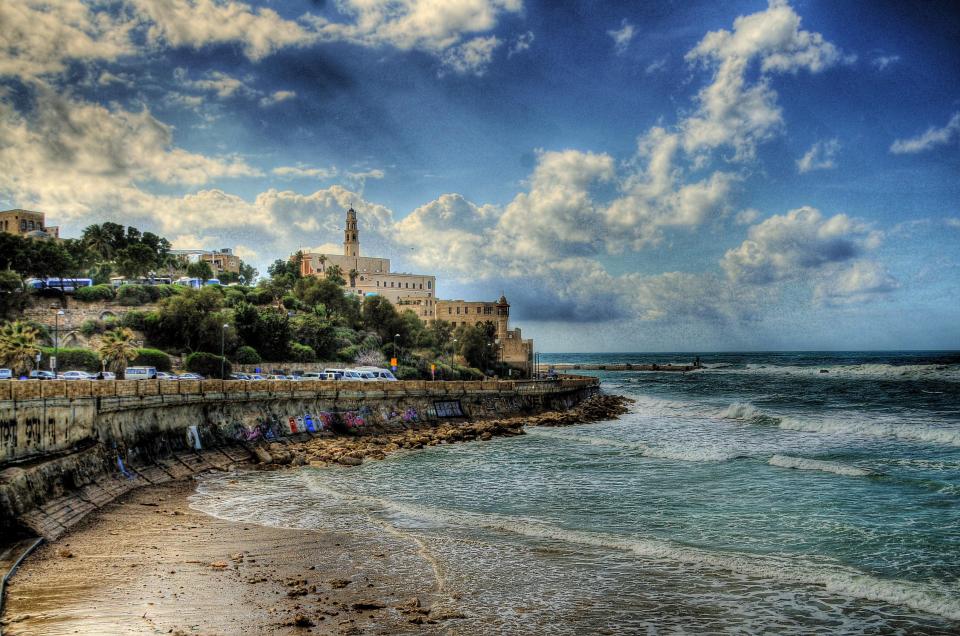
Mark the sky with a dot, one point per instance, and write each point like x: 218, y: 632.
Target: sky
x: 643, y: 176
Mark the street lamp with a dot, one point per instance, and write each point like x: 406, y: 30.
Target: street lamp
x: 395, y: 336
x: 222, y: 359
x: 56, y: 341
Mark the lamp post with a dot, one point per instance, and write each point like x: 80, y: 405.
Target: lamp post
x: 395, y: 336
x: 222, y: 359
x: 56, y: 342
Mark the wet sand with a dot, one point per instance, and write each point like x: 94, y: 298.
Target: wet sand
x: 148, y: 564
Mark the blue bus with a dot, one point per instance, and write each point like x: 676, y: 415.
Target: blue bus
x: 66, y: 285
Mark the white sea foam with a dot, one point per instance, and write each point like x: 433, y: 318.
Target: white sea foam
x: 911, y: 432
x: 831, y: 576
x: 685, y: 455
x: 945, y: 372
x: 803, y: 463
x: 742, y: 411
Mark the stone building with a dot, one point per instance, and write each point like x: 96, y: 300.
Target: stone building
x: 512, y: 348
x: 366, y: 275
x: 222, y: 260
x: 27, y: 223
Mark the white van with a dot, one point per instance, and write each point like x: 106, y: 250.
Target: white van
x: 6, y: 374
x: 377, y: 374
x: 140, y: 373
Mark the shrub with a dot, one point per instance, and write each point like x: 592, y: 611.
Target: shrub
x: 302, y: 353
x: 94, y: 293
x: 134, y: 320
x: 259, y: 297
x: 407, y: 373
x: 92, y: 326
x: 348, y: 354
x: 247, y: 355
x: 71, y: 359
x: 291, y: 303
x: 133, y: 295
x: 207, y: 364
x: 165, y: 291
x: 233, y: 297
x: 152, y: 358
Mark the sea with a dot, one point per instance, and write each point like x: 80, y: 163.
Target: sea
x: 767, y: 493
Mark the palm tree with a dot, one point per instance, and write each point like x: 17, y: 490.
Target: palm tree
x: 353, y: 277
x: 98, y: 239
x: 19, y: 345
x: 118, y: 347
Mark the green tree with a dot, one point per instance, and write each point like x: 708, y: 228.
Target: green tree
x: 316, y: 332
x: 335, y: 275
x: 118, y: 348
x: 14, y: 297
x: 353, y: 277
x: 19, y: 346
x: 477, y: 345
x: 201, y: 270
x: 248, y: 273
x: 379, y: 315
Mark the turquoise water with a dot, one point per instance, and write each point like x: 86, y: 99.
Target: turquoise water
x: 768, y: 493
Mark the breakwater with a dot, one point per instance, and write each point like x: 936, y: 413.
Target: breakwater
x: 67, y: 448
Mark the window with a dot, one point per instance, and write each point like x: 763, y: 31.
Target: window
x: 466, y: 310
x: 421, y: 285
x: 429, y: 283
x: 487, y: 311
x: 23, y: 226
x: 449, y: 310
x: 458, y: 311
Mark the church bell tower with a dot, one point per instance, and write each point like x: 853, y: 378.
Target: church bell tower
x: 351, y: 238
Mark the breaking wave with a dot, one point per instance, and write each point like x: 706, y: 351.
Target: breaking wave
x: 802, y: 463
x: 942, y: 372
x: 910, y: 432
x: 829, y: 575
x: 684, y: 455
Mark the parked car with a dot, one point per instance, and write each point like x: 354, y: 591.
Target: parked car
x: 75, y: 375
x: 163, y: 375
x: 190, y: 376
x: 337, y: 373
x: 42, y: 375
x: 109, y: 375
x: 6, y: 374
x: 238, y: 376
x: 311, y: 375
x: 352, y: 376
x: 378, y: 373
x: 140, y: 373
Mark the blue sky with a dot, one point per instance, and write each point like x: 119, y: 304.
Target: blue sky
x: 635, y: 176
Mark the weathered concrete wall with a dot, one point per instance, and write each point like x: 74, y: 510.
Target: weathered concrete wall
x: 40, y: 418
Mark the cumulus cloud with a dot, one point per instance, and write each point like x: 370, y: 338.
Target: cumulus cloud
x: 930, y: 139
x: 786, y: 247
x: 622, y: 36
x: 222, y: 84
x: 858, y: 282
x: 731, y: 110
x: 821, y: 156
x: 304, y: 172
x: 40, y: 38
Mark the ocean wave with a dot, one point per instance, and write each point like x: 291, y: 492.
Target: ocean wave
x: 910, y: 432
x: 803, y: 463
x: 943, y: 372
x: 829, y: 575
x: 684, y: 455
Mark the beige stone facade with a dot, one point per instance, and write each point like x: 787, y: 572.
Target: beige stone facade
x: 27, y: 223
x: 222, y: 260
x: 513, y: 349
x: 369, y: 276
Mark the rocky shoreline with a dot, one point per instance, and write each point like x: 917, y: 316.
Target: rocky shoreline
x: 354, y: 450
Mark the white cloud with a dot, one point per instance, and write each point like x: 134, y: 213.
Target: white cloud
x: 38, y: 37
x: 222, y: 84
x: 199, y: 23
x: 304, y: 172
x: 952, y: 222
x: 656, y: 66
x: 800, y: 242
x: 472, y: 56
x: 857, y: 282
x: 746, y: 217
x: 622, y: 36
x: 821, y: 156
x: 932, y: 138
x: 521, y: 44
x: 734, y: 112
x: 276, y: 97
x: 881, y: 62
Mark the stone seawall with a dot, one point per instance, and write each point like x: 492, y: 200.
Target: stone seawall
x: 68, y: 447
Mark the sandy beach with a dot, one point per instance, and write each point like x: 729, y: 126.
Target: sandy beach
x: 149, y: 564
